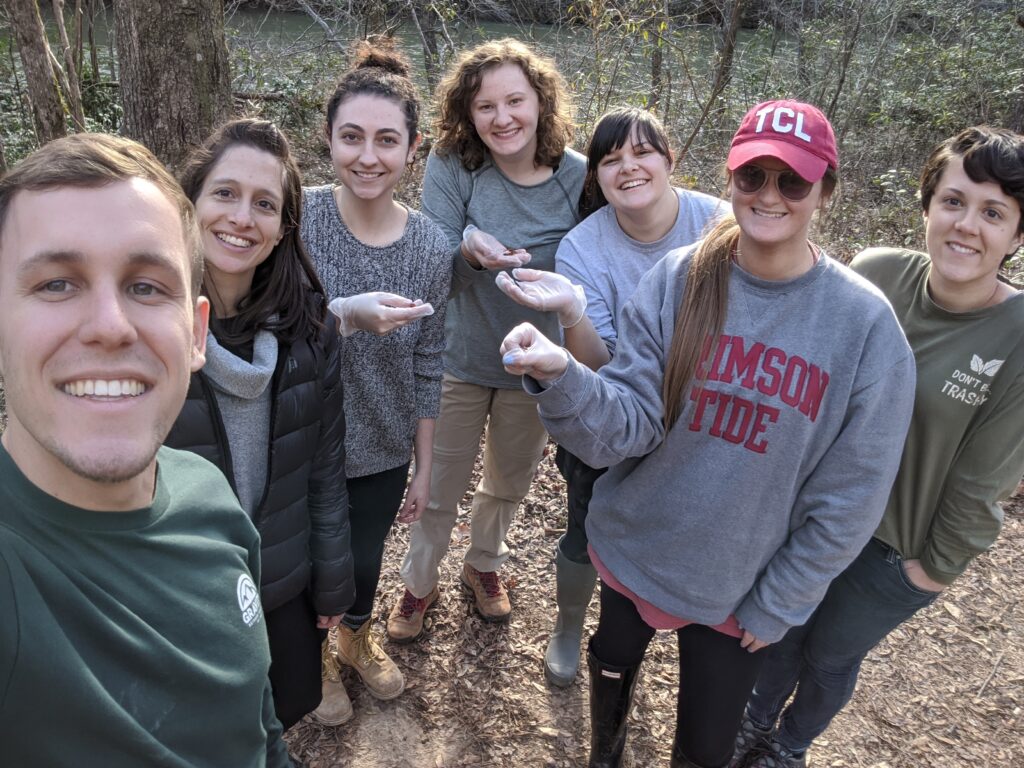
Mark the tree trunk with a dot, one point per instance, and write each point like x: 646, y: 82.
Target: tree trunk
x: 73, y: 92
x: 41, y: 80
x: 94, y: 61
x: 175, y: 75
x: 426, y: 28
x: 723, y: 73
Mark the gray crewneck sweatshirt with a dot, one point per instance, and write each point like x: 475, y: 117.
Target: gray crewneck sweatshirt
x: 535, y: 218
x: 243, y: 393
x: 776, y: 473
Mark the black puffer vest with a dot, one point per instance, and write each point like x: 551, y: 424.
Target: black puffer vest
x: 302, y: 517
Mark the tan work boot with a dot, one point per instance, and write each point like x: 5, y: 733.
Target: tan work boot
x: 405, y: 623
x: 360, y: 650
x: 491, y: 598
x: 335, y: 707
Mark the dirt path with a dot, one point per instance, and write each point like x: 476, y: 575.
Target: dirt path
x: 946, y: 689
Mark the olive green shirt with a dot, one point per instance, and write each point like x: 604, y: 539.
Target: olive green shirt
x: 964, y: 452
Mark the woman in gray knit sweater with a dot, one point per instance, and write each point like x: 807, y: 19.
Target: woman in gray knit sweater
x: 387, y: 269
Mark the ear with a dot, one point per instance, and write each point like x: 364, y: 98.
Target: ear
x: 1016, y: 243
x: 670, y: 161
x: 414, y: 147
x: 200, y: 324
x: 325, y: 134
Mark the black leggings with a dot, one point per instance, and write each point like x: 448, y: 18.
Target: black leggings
x: 716, y: 676
x: 294, y: 658
x: 373, y: 504
x: 579, y: 481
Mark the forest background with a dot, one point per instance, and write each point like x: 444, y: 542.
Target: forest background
x: 893, y: 76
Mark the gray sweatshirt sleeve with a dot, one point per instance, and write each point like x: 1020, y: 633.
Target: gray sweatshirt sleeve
x: 444, y: 190
x: 572, y: 264
x: 616, y: 414
x: 841, y: 503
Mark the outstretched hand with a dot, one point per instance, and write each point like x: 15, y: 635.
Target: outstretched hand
x: 527, y: 351
x: 483, y: 250
x: 545, y: 292
x: 376, y: 312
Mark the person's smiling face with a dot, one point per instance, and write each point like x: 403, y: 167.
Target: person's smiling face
x: 767, y: 219
x: 634, y: 176
x: 970, y: 228
x: 99, y: 332
x: 370, y: 145
x: 239, y: 212
x: 505, y: 112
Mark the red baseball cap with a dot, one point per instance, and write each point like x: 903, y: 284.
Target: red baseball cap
x: 798, y: 134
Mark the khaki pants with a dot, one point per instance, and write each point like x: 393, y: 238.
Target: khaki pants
x: 513, y: 448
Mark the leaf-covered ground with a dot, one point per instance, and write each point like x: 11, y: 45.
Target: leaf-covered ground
x: 946, y: 689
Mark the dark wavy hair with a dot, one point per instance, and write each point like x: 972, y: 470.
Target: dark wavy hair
x: 455, y: 93
x: 988, y: 154
x: 378, y: 69
x: 286, y: 297
x: 612, y: 131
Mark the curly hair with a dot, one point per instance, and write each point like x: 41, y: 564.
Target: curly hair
x: 454, y: 125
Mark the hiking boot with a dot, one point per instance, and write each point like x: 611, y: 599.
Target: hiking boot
x: 335, y: 707
x: 360, y: 650
x: 749, y: 737
x: 491, y: 598
x: 405, y: 623
x: 773, y: 755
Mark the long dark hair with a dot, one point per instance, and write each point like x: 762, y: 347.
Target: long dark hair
x: 612, y: 131
x: 286, y: 296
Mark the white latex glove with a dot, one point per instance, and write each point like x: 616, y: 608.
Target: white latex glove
x: 545, y: 291
x: 484, y: 250
x: 377, y: 312
x: 527, y: 351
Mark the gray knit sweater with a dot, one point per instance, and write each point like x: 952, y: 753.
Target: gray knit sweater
x: 390, y: 381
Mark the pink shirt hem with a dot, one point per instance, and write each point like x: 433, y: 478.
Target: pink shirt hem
x: 651, y: 614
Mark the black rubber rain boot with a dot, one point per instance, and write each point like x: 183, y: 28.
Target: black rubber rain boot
x: 611, y: 695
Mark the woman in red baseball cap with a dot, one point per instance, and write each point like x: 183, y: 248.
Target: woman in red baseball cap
x: 963, y: 452
x: 751, y: 370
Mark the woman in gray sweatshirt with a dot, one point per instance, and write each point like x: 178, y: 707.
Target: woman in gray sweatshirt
x: 751, y: 372
x: 632, y: 216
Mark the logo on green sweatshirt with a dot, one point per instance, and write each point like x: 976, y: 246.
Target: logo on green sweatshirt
x: 248, y: 600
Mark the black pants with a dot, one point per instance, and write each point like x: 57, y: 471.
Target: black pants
x: 716, y: 676
x: 373, y: 504
x: 579, y: 481
x: 294, y: 658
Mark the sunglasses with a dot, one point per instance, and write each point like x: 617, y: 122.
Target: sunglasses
x: 750, y: 178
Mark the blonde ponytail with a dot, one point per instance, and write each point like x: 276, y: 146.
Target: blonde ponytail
x: 701, y: 315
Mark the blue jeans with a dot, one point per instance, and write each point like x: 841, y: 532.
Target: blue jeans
x: 821, y: 659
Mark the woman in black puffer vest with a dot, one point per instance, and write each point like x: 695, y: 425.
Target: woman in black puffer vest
x: 267, y: 406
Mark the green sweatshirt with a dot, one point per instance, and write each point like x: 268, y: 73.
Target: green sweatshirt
x: 964, y: 451
x: 137, y: 638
